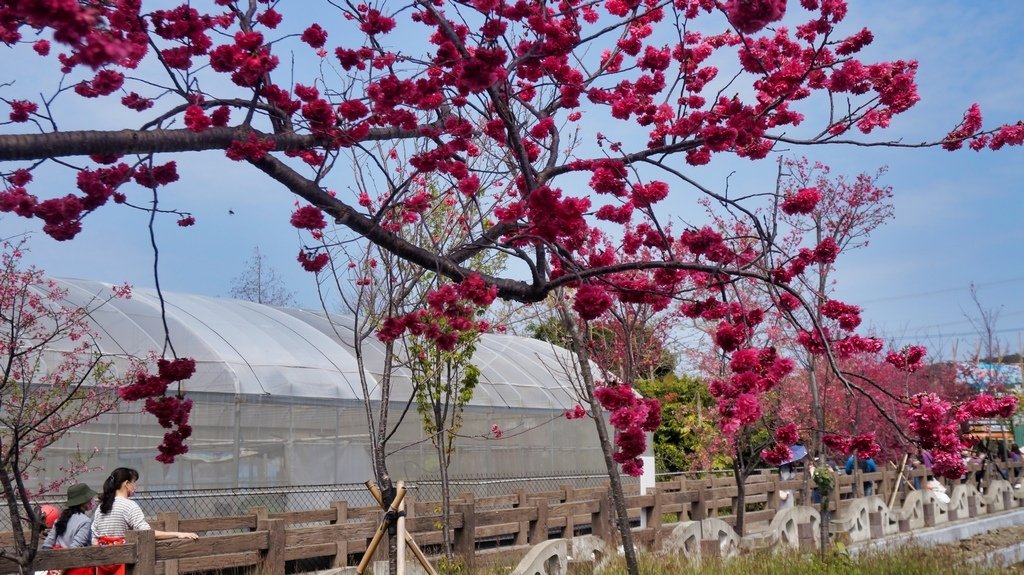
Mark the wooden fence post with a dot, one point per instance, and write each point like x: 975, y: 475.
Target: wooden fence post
x: 260, y: 513
x: 465, y: 537
x: 601, y: 522
x: 145, y: 552
x: 272, y: 560
x: 699, y: 508
x: 653, y: 517
x: 170, y: 521
x: 539, y: 528
x: 341, y: 556
x: 523, y: 535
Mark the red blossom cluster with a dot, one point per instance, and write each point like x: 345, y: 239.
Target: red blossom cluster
x: 848, y: 316
x: 313, y: 261
x: 592, y: 300
x: 172, y: 411
x: 750, y: 16
x: 62, y: 217
x: 451, y: 311
x: 864, y: 445
x: 631, y: 416
x: 785, y: 436
x: 802, y: 202
x: 936, y: 423
x: 755, y: 371
x: 824, y: 253
x: 96, y: 33
x: 308, y: 218
x: 577, y: 412
x: 908, y: 359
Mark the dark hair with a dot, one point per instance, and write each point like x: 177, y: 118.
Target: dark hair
x: 112, y: 484
x: 62, y: 522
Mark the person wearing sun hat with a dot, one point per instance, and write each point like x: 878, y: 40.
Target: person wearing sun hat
x: 73, y: 528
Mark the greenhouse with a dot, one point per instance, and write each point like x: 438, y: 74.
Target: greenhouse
x: 278, y: 401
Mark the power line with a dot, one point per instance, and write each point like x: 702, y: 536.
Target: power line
x: 949, y: 335
x: 942, y: 291
x: 966, y: 320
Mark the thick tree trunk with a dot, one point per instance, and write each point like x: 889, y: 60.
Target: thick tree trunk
x: 579, y: 348
x: 741, y: 495
x: 615, y: 481
x: 446, y: 503
x: 24, y: 550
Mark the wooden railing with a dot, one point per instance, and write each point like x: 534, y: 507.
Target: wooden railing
x: 264, y: 541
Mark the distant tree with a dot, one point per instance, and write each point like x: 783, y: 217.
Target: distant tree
x: 688, y: 439
x: 52, y: 379
x: 261, y: 283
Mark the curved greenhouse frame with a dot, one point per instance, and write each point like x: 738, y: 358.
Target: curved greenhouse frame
x: 278, y: 401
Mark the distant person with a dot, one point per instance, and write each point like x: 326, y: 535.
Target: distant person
x: 49, y: 514
x: 937, y: 489
x: 74, y: 527
x: 1016, y: 457
x: 865, y: 466
x: 118, y: 514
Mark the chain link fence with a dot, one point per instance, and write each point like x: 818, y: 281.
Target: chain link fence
x: 192, y: 504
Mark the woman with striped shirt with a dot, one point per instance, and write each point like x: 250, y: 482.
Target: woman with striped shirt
x: 118, y: 514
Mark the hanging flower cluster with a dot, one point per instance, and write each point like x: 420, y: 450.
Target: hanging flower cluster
x: 451, y: 311
x: 802, y: 202
x: 936, y: 423
x: 750, y: 16
x: 631, y: 416
x: 577, y: 412
x: 172, y: 411
x: 63, y: 216
x: 908, y: 359
x: 785, y: 437
x: 865, y: 446
x: 755, y: 371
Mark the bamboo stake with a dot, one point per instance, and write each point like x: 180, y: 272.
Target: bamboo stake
x: 381, y: 529
x: 899, y: 478
x: 416, y: 551
x: 400, y: 534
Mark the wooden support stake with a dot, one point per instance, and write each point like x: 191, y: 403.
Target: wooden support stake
x: 400, y: 535
x: 416, y: 551
x: 899, y: 477
x: 381, y: 529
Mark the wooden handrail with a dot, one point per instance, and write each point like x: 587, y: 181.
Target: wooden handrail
x: 525, y: 518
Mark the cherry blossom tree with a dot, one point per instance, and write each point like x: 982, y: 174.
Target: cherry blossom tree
x: 846, y: 212
x: 595, y: 116
x: 52, y: 379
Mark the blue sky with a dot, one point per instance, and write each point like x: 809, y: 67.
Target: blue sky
x: 958, y: 215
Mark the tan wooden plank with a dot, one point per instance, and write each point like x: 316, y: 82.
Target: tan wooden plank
x: 188, y: 548
x: 216, y: 562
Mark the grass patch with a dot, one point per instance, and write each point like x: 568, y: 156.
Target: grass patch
x: 909, y: 560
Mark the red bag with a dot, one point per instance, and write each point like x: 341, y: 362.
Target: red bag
x: 117, y: 569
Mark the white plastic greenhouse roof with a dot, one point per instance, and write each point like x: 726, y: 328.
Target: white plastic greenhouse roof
x: 242, y: 347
